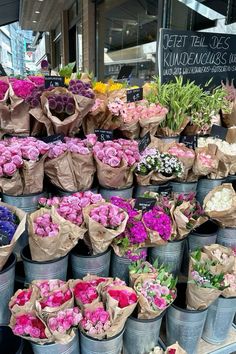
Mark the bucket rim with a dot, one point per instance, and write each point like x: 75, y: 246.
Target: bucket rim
x: 103, y: 340
x: 74, y: 253
x: 24, y: 258
x: 11, y: 265
x: 175, y: 241
x: 187, y: 310
x: 152, y: 185
x: 185, y: 183
x: 213, y: 179
x: 24, y: 195
x: 114, y: 189
x: 141, y: 320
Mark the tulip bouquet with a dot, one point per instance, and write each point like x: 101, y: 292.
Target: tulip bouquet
x: 104, y: 221
x: 70, y: 165
x: 156, y: 292
x: 115, y: 162
x: 12, y: 226
x: 204, y: 285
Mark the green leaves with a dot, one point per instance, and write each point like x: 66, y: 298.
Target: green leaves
x: 67, y: 70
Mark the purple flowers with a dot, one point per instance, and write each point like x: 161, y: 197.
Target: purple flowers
x: 8, y: 225
x: 157, y: 220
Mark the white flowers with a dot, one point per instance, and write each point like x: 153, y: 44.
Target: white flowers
x: 221, y: 200
x: 226, y: 148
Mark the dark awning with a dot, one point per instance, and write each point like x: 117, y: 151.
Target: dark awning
x: 9, y: 11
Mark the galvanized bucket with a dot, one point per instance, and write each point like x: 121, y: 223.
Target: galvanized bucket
x: 27, y: 202
x: 140, y: 190
x: 61, y: 193
x: 219, y: 320
x: 57, y: 348
x: 123, y: 193
x: 21, y: 243
x: 185, y: 326
x: 9, y: 343
x: 205, y: 186
x: 97, y: 265
x: 231, y: 179
x: 55, y: 269
x: 7, y: 279
x: 227, y: 237
x: 184, y: 187
x: 170, y: 254
x: 111, y: 345
x: 120, y: 266
x: 141, y: 336
x: 169, y: 139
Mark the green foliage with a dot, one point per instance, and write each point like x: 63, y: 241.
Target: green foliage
x: 67, y: 70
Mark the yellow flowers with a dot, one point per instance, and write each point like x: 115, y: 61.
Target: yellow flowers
x: 67, y: 81
x: 112, y: 86
x: 100, y: 87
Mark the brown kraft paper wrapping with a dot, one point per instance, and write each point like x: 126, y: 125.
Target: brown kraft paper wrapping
x: 145, y: 310
x: 130, y: 130
x: 94, y: 120
x: 169, y: 132
x: 28, y: 306
x: 197, y: 297
x: 114, y: 177
x: 199, y: 169
x: 186, y: 161
x: 13, y: 185
x: 84, y: 170
x: 40, y: 122
x: 50, y: 248
x: 100, y: 236
x: 49, y: 336
x: 60, y: 171
x: 59, y: 337
x: 151, y: 124
x: 6, y: 251
x: 33, y: 175
x: 20, y: 117
x: 231, y: 135
x: 221, y: 266
x: 227, y: 217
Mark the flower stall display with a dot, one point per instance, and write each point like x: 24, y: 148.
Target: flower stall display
x: 205, y: 285
x: 70, y: 165
x: 12, y: 226
x: 104, y: 222
x: 156, y: 292
x: 219, y: 204
x: 115, y: 162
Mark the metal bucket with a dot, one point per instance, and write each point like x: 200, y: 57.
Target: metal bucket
x: 21, y: 243
x: 55, y: 269
x: 9, y: 343
x: 7, y: 279
x: 27, y: 202
x: 205, y: 186
x: 57, y: 348
x: 123, y: 193
x: 169, y: 139
x: 61, y: 193
x: 182, y: 325
x: 227, y: 237
x: 184, y: 187
x: 120, y: 266
x: 141, y: 336
x: 111, y: 345
x: 83, y: 265
x: 140, y: 190
x: 231, y: 179
x: 170, y: 255
x: 219, y: 320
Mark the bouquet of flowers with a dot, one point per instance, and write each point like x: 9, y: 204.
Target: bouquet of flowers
x: 129, y: 114
x: 222, y: 256
x: 104, y: 222
x: 185, y: 155
x: 141, y: 268
x: 70, y: 164
x: 204, y: 285
x: 156, y: 292
x: 115, y: 162
x: 12, y: 226
x: 188, y: 214
x: 37, y: 80
x: 220, y: 204
x: 23, y: 300
x: 50, y: 235
x: 150, y: 116
x: 205, y: 163
x: 96, y: 321
x: 230, y: 283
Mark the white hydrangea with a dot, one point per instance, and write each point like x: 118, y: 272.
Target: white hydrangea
x: 221, y: 200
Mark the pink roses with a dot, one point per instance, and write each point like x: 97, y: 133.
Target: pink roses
x: 64, y: 320
x: 95, y: 321
x: 44, y: 227
x: 29, y: 325
x: 108, y: 215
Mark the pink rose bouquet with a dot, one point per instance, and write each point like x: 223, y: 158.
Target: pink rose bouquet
x: 150, y: 116
x: 47, y: 286
x: 205, y: 163
x: 85, y: 292
x: 56, y: 299
x: 185, y: 155
x: 96, y: 322
x: 123, y: 297
x: 156, y: 292
x: 44, y: 227
x: 104, y: 222
x: 21, y: 298
x: 230, y: 283
x: 116, y: 161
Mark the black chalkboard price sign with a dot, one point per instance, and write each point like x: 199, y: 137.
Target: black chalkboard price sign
x: 218, y: 132
x: 103, y: 134
x: 134, y: 95
x: 190, y: 141
x: 197, y: 56
x: 144, y: 142
x: 143, y: 203
x: 165, y: 190
x: 54, y: 81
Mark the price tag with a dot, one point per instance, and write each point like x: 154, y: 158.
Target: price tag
x: 103, y: 134
x: 53, y: 138
x: 165, y: 190
x: 144, y: 142
x: 190, y: 141
x: 218, y: 132
x: 134, y: 95
x: 144, y: 204
x: 54, y: 81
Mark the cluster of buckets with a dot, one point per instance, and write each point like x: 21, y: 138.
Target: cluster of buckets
x: 139, y: 336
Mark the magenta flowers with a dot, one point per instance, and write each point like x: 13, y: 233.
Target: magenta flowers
x: 158, y: 221
x: 29, y: 325
x: 3, y: 89
x: 22, y: 88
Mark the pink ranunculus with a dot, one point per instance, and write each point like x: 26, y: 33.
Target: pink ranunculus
x: 9, y: 169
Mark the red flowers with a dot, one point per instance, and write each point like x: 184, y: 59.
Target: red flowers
x: 124, y: 297
x: 29, y: 325
x: 22, y: 297
x: 85, y: 292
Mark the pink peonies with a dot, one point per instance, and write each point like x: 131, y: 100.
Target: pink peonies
x: 44, y: 227
x: 114, y: 152
x: 109, y: 215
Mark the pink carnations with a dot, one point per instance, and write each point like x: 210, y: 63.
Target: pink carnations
x: 45, y: 227
x: 157, y: 220
x: 22, y: 88
x: 65, y: 320
x: 110, y: 216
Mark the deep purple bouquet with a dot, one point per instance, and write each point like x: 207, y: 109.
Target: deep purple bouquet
x: 8, y: 225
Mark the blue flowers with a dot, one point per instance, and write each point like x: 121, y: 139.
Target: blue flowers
x: 8, y: 225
